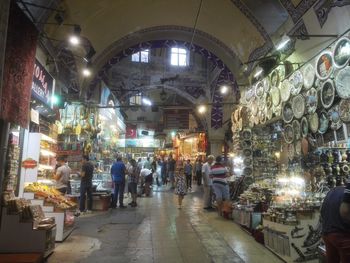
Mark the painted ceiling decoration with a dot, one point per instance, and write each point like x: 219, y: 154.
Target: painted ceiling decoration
x: 103, y: 73
x: 297, y: 12
x: 264, y: 49
x: 323, y: 7
x: 225, y: 77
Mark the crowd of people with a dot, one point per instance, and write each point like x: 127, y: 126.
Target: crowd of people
x: 137, y: 179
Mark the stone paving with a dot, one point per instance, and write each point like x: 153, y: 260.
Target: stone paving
x: 157, y: 231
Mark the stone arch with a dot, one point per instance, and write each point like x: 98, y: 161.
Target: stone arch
x: 217, y: 52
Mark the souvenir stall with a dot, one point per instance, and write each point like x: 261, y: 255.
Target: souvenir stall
x: 291, y: 134
x: 190, y: 146
x: 20, y: 217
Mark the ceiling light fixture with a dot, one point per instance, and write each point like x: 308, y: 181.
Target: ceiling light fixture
x: 284, y: 41
x: 86, y: 72
x: 202, y: 109
x: 258, y: 72
x: 146, y: 101
x: 75, y: 38
x: 223, y: 89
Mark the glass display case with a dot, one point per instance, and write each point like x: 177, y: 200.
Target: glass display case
x: 102, y: 182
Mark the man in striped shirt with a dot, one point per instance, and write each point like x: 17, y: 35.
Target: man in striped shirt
x: 218, y: 173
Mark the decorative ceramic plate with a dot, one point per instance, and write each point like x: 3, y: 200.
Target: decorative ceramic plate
x: 313, y: 122
x: 319, y: 140
x: 266, y: 84
x: 249, y: 94
x: 262, y: 117
x: 309, y: 76
x: 297, y: 81
x: 291, y: 151
x: 248, y: 161
x: 341, y: 52
x: 334, y: 117
x: 285, y: 90
x: 327, y: 94
x: 247, y: 171
x: 282, y: 71
x: 344, y: 110
x: 256, y: 120
x: 324, y: 65
x: 268, y: 101
x: 276, y: 96
x: 254, y: 107
x: 246, y: 144
x: 269, y: 113
x: 298, y: 147
x: 288, y: 133
x: 305, y: 146
x: 259, y: 89
x: 247, y: 134
x: 304, y: 126
x: 287, y: 112
x: 247, y: 152
x: 342, y: 83
x: 275, y: 80
x: 324, y: 122
x: 311, y: 100
x: 298, y: 106
x: 296, y: 129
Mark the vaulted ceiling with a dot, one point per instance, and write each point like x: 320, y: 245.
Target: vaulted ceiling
x: 234, y: 30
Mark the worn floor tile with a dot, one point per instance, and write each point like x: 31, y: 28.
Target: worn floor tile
x: 157, y: 232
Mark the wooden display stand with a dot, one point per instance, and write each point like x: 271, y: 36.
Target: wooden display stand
x: 20, y: 237
x: 62, y: 231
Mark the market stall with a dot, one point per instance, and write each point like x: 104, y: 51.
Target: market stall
x: 290, y: 146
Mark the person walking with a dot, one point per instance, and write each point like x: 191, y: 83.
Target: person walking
x: 162, y: 165
x: 62, y: 176
x: 118, y: 171
x: 207, y: 182
x: 133, y: 179
x: 154, y: 170
x: 188, y: 173
x: 335, y: 220
x: 198, y: 170
x: 218, y: 173
x: 86, y: 175
x: 147, y: 164
x: 171, y: 170
x: 180, y: 182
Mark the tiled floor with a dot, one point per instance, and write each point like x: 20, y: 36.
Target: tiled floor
x: 157, y: 231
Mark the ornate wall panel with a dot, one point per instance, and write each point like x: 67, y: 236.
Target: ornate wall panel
x: 323, y: 7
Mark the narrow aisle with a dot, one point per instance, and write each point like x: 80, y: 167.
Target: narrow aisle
x: 157, y: 231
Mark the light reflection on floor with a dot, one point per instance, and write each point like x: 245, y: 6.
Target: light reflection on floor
x: 157, y: 231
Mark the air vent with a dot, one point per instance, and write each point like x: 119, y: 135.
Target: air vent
x: 142, y: 118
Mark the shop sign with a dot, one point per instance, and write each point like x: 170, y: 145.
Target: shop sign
x: 29, y: 163
x: 34, y: 116
x: 42, y: 85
